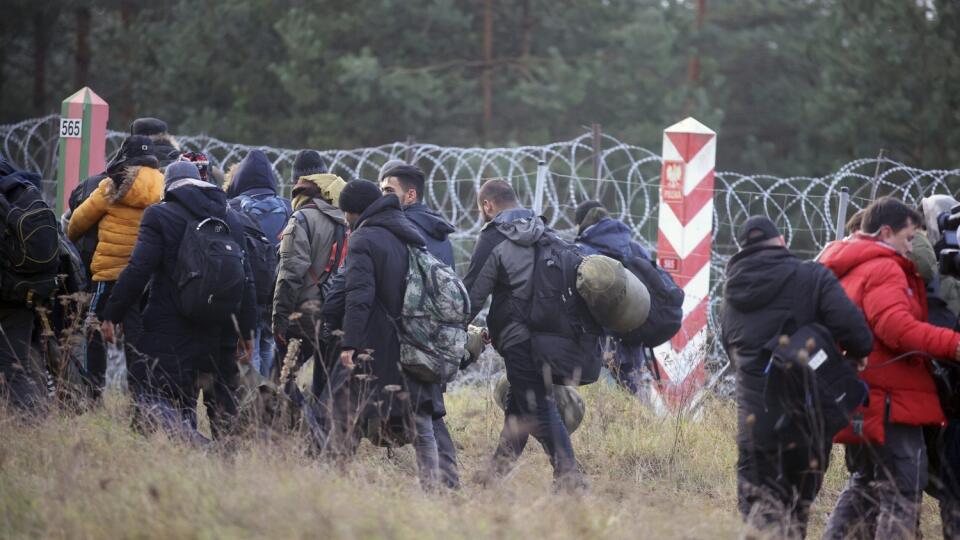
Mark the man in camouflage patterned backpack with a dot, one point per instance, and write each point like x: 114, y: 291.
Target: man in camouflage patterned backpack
x: 407, y: 182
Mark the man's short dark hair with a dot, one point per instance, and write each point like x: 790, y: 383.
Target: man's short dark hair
x: 498, y: 192
x: 891, y: 212
x: 410, y: 176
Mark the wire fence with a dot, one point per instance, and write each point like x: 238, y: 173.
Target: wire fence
x: 804, y: 207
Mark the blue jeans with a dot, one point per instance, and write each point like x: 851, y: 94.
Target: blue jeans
x: 263, y: 349
x: 425, y: 447
x: 449, y: 474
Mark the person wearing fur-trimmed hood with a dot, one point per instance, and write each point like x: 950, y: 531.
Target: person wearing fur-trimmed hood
x: 312, y: 246
x: 115, y: 208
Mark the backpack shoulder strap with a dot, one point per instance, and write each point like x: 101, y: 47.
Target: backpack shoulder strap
x: 338, y: 251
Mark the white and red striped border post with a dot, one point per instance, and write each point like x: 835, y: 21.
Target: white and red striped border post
x: 684, y: 244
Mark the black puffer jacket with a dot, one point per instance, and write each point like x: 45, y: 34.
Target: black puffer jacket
x: 377, y: 263
x: 765, y: 287
x: 153, y: 261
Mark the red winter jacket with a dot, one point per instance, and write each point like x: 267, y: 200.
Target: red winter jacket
x: 887, y: 287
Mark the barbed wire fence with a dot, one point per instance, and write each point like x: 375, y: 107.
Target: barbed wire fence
x: 624, y: 177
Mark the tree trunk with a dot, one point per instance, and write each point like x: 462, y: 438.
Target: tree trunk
x: 82, y: 57
x: 526, y: 28
x: 693, y: 69
x: 41, y: 32
x: 486, y: 78
x: 125, y: 105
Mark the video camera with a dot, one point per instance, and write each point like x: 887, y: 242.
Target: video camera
x: 947, y: 248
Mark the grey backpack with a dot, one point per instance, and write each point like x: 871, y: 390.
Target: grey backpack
x: 433, y: 321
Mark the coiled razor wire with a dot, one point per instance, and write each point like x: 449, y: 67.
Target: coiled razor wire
x: 804, y: 207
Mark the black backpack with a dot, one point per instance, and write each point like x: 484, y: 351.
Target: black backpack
x: 209, y: 275
x: 564, y: 337
x: 811, y: 388
x: 263, y: 259
x: 666, y: 305
x: 30, y: 247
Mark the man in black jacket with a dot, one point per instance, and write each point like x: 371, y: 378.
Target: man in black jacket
x: 779, y: 471
x: 502, y: 267
x: 377, y: 263
x: 407, y: 182
x: 173, y: 350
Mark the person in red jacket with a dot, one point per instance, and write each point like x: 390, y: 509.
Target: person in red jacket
x: 885, y: 451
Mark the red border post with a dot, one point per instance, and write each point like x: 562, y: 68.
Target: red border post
x: 684, y: 245
x: 83, y: 139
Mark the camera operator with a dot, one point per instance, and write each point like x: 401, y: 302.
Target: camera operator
x: 943, y: 299
x: 886, y: 452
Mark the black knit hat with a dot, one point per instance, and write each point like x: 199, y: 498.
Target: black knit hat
x: 357, y: 195
x: 306, y: 163
x: 148, y: 126
x: 583, y: 208
x: 756, y: 229
x: 135, y: 150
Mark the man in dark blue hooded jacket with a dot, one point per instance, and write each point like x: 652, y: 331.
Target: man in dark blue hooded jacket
x: 599, y: 234
x: 253, y: 191
x: 172, y: 349
x: 407, y: 182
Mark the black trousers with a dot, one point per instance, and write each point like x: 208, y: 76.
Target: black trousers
x: 882, y: 497
x: 532, y: 410
x: 20, y: 385
x: 166, y: 385
x: 775, y: 487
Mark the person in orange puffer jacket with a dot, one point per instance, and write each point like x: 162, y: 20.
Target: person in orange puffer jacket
x: 885, y: 451
x: 132, y: 184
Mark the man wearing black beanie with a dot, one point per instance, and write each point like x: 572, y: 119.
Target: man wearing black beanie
x: 375, y: 284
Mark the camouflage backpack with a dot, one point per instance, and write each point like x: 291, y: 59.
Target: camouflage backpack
x: 433, y: 321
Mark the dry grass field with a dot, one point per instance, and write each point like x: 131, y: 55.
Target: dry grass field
x: 91, y: 476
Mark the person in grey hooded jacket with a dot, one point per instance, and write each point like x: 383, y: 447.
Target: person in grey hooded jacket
x: 502, y: 267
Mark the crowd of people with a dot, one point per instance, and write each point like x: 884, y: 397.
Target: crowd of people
x: 205, y: 278
x: 888, y: 337
x: 208, y: 279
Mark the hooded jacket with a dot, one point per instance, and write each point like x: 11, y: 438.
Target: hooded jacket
x: 116, y: 212
x: 253, y: 176
x: 377, y: 264
x: 306, y: 247
x: 501, y: 266
x: 166, y: 333
x: 769, y: 292
x: 253, y: 191
x: 329, y: 185
x: 614, y: 239
x: 892, y: 295
x: 435, y: 230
